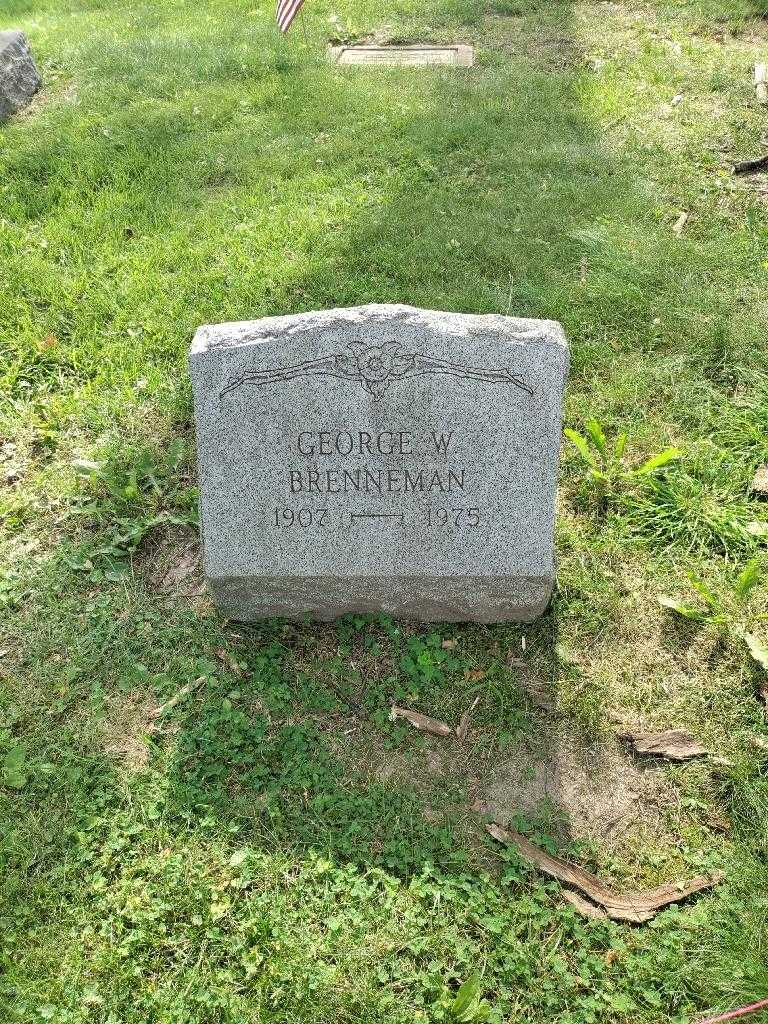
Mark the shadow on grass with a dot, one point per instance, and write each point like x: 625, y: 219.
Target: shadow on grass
x: 182, y: 203
x: 475, y: 191
x: 480, y: 192
x: 466, y: 191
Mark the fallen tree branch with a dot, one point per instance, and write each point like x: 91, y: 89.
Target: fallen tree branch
x: 462, y: 729
x: 761, y: 82
x: 421, y: 722
x: 680, y: 223
x: 751, y: 166
x: 634, y: 907
x: 179, y: 696
x: 584, y: 906
x: 742, y: 1011
x: 674, y: 744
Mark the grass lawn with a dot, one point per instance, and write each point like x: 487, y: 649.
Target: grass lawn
x: 271, y: 847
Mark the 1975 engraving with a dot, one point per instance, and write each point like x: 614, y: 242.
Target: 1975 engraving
x: 285, y: 518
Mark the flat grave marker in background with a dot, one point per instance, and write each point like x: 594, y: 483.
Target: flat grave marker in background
x: 404, y: 56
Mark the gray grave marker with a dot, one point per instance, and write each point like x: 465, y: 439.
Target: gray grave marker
x: 458, y: 55
x: 19, y: 80
x: 380, y: 458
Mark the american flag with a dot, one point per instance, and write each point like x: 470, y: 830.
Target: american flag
x: 286, y: 12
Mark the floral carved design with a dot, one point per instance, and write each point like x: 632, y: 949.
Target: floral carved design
x: 375, y: 365
x: 375, y: 368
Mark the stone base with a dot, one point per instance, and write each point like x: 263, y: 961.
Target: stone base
x: 19, y: 78
x: 439, y: 599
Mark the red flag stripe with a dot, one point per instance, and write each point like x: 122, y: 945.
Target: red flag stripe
x: 286, y: 12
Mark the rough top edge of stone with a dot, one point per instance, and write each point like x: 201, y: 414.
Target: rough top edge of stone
x: 11, y: 35
x: 237, y: 333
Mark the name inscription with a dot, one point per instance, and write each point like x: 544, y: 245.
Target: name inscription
x: 357, y: 479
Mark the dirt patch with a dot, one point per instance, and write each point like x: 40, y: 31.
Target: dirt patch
x: 347, y: 664
x: 126, y: 728
x: 752, y: 32
x: 592, y: 792
x: 361, y: 748
x: 555, y: 53
x: 170, y: 560
x: 564, y: 786
x: 48, y: 94
x: 549, y: 50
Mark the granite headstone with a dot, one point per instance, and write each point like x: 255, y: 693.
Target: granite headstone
x: 379, y: 458
x: 19, y: 79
